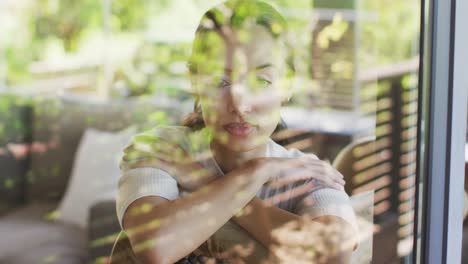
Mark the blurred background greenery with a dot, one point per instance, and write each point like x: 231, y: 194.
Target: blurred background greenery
x: 139, y: 47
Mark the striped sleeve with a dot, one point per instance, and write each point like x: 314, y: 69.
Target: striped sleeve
x: 328, y: 201
x: 136, y: 183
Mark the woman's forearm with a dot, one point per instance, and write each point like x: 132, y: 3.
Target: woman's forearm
x: 174, y: 229
x: 259, y: 219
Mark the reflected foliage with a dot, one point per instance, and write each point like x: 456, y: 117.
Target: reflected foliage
x: 40, y: 136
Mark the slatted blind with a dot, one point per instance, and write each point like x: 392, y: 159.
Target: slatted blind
x: 388, y: 165
x: 407, y: 160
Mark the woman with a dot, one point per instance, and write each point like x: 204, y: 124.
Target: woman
x: 219, y: 186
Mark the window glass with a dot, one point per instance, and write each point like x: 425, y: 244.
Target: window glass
x: 92, y: 91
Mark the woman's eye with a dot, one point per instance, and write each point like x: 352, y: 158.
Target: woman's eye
x: 261, y: 83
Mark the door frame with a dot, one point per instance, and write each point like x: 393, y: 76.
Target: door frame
x: 442, y: 123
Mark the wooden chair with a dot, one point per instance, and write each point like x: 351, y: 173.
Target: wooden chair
x: 385, y: 239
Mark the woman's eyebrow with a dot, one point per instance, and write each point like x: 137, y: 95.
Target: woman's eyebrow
x: 263, y: 66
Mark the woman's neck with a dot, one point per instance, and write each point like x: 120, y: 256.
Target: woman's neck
x: 229, y: 160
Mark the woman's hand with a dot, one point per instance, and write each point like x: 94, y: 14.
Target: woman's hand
x: 286, y: 170
x: 149, y: 150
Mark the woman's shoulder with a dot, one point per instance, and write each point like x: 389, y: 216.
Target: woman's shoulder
x: 184, y: 136
x: 166, y: 131
x: 171, y: 133
x: 170, y: 129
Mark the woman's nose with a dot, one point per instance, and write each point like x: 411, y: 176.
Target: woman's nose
x: 239, y: 100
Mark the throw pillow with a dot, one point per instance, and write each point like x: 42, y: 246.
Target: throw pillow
x: 94, y: 175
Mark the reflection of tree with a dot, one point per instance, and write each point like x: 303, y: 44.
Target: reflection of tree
x: 69, y: 20
x: 394, y: 35
x: 64, y: 24
x: 65, y: 20
x: 156, y: 68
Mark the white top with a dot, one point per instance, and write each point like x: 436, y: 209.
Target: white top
x: 140, y: 182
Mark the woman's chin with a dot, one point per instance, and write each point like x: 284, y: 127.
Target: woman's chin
x: 242, y: 144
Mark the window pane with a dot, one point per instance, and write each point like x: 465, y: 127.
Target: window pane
x: 90, y: 88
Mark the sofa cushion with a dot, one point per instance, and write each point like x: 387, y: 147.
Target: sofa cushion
x: 28, y: 237
x: 95, y: 173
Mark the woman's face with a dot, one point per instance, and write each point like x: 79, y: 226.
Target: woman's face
x: 238, y: 87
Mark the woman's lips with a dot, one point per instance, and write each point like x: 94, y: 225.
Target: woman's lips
x: 238, y: 129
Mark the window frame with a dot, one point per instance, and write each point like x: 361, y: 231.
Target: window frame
x: 442, y: 121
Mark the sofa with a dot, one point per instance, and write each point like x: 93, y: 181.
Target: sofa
x: 41, y: 140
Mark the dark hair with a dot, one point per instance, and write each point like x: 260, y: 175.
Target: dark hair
x: 264, y: 14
